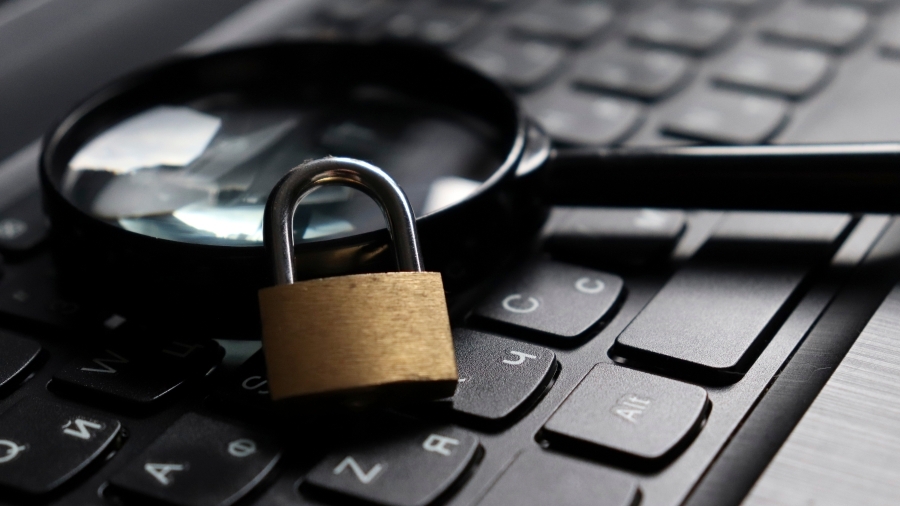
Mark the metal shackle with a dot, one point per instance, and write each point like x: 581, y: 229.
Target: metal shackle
x: 278, y: 220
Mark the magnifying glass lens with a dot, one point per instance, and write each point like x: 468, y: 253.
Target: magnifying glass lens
x: 201, y: 171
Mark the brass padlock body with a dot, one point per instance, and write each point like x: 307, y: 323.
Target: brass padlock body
x: 386, y: 333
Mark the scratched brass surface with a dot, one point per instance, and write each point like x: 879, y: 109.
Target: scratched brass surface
x: 359, y: 333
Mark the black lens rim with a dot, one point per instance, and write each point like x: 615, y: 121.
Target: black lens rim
x: 487, y: 226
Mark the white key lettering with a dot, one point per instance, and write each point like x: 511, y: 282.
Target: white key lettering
x: 105, y: 362
x: 364, y: 477
x: 11, y: 450
x: 81, y: 429
x: 631, y: 407
x: 256, y: 383
x: 650, y: 219
x: 521, y: 357
x: 186, y: 349
x: 589, y: 286
x: 113, y: 322
x: 242, y: 447
x: 438, y: 444
x: 511, y: 304
x: 10, y: 228
x: 161, y: 471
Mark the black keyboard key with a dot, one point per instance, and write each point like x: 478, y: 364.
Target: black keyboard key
x: 641, y: 73
x: 17, y: 356
x: 43, y: 444
x: 575, y: 117
x: 498, y: 376
x: 441, y: 26
x: 693, y: 30
x: 834, y: 27
x: 792, y: 73
x: 781, y: 228
x: 137, y: 376
x: 28, y: 292
x: 726, y: 118
x: 247, y: 390
x: 22, y: 226
x: 568, y: 21
x: 712, y: 318
x: 776, y: 235
x: 404, y: 467
x: 621, y: 236
x: 628, y: 416
x: 538, y: 478
x: 521, y: 64
x: 198, y: 461
x: 553, y: 300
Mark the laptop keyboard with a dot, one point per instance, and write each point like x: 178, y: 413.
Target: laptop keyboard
x: 611, y: 365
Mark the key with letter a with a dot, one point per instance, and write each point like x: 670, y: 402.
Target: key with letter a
x: 198, y: 461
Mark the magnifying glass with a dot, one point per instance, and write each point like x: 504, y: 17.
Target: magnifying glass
x: 156, y: 185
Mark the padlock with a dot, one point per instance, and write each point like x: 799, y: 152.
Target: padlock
x: 357, y: 338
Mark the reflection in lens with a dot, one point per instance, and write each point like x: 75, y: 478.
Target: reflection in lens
x: 238, y: 223
x: 201, y: 172
x: 446, y: 191
x: 323, y: 225
x: 162, y: 136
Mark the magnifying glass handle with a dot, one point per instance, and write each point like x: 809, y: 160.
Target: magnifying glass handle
x: 823, y: 177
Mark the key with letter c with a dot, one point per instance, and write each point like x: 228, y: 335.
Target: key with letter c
x: 551, y: 301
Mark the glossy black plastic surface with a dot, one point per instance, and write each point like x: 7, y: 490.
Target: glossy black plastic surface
x: 838, y: 177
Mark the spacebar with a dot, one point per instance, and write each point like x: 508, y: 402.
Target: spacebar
x: 846, y: 448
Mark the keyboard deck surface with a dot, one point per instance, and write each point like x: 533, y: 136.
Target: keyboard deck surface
x: 629, y: 356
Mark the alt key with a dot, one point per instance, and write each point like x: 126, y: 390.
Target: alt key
x: 627, y: 416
